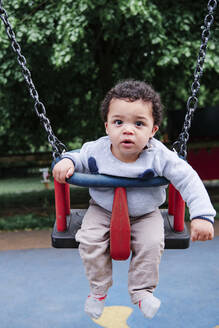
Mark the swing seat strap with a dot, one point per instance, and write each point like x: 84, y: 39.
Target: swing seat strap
x: 120, y: 232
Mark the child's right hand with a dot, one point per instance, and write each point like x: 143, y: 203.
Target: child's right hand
x: 63, y: 169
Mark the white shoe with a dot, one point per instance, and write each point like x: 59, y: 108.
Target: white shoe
x: 149, y: 305
x: 94, y: 305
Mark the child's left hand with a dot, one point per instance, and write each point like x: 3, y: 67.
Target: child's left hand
x: 201, y: 230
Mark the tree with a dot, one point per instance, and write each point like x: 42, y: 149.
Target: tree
x: 76, y: 50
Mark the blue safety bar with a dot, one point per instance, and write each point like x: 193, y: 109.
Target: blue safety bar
x: 103, y: 180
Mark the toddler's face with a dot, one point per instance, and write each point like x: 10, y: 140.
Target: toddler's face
x: 129, y: 125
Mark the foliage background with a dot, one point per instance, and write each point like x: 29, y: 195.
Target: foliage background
x: 76, y: 50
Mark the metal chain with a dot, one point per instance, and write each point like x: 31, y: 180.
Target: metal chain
x: 57, y: 146
x: 181, y: 144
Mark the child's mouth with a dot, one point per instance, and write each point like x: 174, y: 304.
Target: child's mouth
x: 127, y: 142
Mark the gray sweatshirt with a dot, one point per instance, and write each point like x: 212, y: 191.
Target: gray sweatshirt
x: 156, y: 158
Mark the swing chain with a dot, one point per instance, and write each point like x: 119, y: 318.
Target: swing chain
x: 181, y: 144
x: 57, y: 146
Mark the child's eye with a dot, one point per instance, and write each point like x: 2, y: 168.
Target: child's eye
x: 139, y: 123
x: 117, y: 122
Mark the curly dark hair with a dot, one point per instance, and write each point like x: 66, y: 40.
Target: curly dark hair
x: 133, y: 90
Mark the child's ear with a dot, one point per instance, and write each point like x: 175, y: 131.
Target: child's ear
x: 155, y: 129
x: 106, y: 127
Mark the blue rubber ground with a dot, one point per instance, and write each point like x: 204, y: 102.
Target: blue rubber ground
x: 46, y: 288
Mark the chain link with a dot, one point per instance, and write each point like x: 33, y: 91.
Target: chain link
x: 181, y: 144
x: 57, y: 146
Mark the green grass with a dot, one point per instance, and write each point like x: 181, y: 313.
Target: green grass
x: 39, y: 199
x: 25, y: 203
x: 20, y: 185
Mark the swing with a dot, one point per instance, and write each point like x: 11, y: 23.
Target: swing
x: 69, y: 221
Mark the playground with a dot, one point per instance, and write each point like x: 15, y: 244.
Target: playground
x: 76, y: 52
x: 46, y: 287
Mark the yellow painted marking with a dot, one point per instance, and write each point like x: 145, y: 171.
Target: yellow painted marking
x: 114, y: 317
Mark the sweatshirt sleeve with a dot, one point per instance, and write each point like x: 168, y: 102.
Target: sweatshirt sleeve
x: 79, y: 159
x: 186, y: 180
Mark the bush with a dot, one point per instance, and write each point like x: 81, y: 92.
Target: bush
x: 35, y: 209
x: 24, y: 222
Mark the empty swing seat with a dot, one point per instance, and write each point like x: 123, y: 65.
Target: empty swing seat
x: 68, y: 221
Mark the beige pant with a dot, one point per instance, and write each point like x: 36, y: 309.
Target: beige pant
x: 147, y: 245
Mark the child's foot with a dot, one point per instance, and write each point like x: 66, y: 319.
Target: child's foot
x: 149, y: 305
x: 94, y: 305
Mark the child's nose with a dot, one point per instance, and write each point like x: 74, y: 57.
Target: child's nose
x: 128, y: 129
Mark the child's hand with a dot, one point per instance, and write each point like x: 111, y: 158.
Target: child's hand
x: 201, y: 230
x: 63, y: 169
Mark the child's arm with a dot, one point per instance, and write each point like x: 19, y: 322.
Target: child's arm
x: 192, y: 190
x: 201, y: 230
x: 63, y: 169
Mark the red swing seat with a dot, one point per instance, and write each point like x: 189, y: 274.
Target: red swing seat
x: 69, y: 221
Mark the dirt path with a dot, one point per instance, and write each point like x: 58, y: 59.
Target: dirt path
x: 25, y: 239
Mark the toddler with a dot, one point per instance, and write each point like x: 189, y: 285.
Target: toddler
x: 132, y: 113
